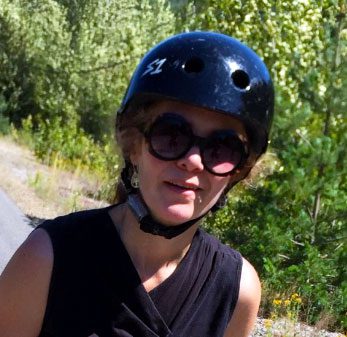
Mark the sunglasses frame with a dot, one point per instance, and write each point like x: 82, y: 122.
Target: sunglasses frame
x: 195, y: 140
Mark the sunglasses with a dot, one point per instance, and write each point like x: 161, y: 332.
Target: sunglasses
x: 170, y: 137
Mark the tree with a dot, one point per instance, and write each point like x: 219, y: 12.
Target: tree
x: 72, y: 59
x: 292, y: 226
x: 112, y: 37
x: 33, y: 58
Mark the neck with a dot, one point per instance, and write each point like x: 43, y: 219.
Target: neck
x: 153, y: 256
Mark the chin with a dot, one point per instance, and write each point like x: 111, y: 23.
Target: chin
x: 175, y: 214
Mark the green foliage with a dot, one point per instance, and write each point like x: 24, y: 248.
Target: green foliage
x: 110, y: 40
x: 33, y: 56
x: 73, y: 59
x: 54, y: 140
x: 65, y: 65
x: 293, y: 226
x: 4, y: 121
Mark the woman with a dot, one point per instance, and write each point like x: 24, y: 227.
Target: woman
x: 194, y: 120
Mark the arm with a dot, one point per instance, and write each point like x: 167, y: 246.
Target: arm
x: 24, y: 286
x: 245, y: 313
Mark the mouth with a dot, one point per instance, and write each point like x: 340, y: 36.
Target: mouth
x: 183, y: 185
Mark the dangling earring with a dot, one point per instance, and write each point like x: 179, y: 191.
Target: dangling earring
x: 135, y: 178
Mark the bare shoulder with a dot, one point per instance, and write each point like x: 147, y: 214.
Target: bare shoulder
x: 250, y: 283
x: 24, y: 286
x: 245, y: 313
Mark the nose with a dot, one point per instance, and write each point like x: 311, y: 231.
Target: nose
x: 192, y: 161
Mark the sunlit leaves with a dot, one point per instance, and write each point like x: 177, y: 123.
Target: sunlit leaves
x: 304, y: 45
x: 74, y: 59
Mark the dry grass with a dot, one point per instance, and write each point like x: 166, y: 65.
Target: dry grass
x: 41, y: 191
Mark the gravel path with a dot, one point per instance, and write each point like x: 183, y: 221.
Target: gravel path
x: 286, y: 328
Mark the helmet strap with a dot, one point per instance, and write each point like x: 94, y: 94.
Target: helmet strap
x: 141, y: 212
x: 150, y: 225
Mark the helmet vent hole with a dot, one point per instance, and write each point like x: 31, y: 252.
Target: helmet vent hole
x: 241, y: 79
x: 194, y: 65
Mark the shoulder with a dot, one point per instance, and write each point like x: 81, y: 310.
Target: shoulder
x: 76, y: 228
x: 250, y: 287
x: 226, y: 252
x: 245, y: 313
x: 239, y: 283
x: 24, y: 286
x: 76, y: 219
x: 34, y: 258
x: 36, y: 249
x: 228, y: 265
x: 77, y: 240
x: 227, y: 261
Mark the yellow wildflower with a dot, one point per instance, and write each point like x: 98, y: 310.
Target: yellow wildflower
x: 277, y: 302
x: 294, y: 296
x: 268, y: 323
x: 287, y: 302
x: 298, y: 300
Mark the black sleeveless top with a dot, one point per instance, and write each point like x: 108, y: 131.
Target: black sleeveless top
x: 95, y: 289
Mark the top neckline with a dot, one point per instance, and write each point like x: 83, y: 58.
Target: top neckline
x: 173, y: 275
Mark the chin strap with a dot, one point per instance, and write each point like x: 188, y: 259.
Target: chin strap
x: 143, y: 215
x: 151, y: 226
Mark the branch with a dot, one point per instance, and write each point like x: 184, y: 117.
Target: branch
x: 297, y: 243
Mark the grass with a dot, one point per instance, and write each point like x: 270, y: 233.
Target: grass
x: 72, y: 188
x: 60, y: 187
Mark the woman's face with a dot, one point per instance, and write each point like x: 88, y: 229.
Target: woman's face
x: 180, y: 190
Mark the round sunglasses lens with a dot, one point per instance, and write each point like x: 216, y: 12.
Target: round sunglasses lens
x: 223, y: 155
x: 169, y: 139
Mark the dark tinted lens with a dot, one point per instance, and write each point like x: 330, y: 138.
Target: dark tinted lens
x: 169, y: 137
x: 223, y: 152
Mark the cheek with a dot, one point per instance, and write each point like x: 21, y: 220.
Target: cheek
x: 217, y: 186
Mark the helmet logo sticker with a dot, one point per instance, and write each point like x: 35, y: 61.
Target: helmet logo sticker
x: 154, y: 67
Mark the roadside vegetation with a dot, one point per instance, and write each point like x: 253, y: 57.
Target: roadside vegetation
x: 64, y: 66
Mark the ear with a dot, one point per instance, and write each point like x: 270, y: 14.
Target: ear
x: 136, y: 150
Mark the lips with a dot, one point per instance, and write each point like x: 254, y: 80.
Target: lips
x: 184, y: 185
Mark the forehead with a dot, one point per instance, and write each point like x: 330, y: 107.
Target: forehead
x: 203, y: 121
